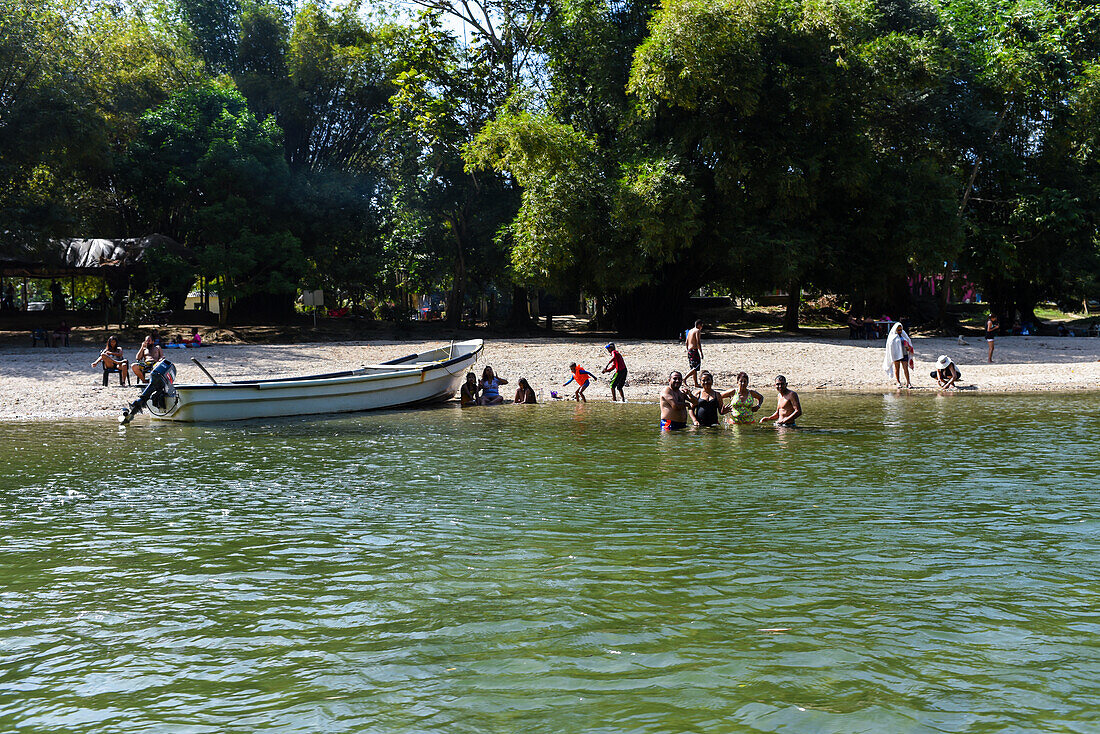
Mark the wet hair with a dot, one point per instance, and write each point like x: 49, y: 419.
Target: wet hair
x: 704, y: 374
x: 781, y: 379
x: 744, y: 375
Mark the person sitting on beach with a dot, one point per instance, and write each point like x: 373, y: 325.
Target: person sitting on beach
x: 490, y: 387
x: 176, y: 343
x: 468, y: 394
x: 113, y: 359
x: 148, y: 355
x: 618, y: 366
x: 709, y: 404
x: 899, y: 348
x: 789, y: 408
x: 946, y: 373
x: 524, y: 394
x: 693, y: 342
x: 60, y: 335
x: 675, y: 403
x: 745, y: 401
x: 196, y: 338
x: 582, y: 377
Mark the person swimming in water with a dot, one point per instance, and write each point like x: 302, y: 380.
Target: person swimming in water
x: 789, y: 408
x: 745, y: 402
x: 675, y: 403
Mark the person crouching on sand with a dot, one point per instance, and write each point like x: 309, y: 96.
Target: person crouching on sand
x: 946, y: 373
x: 582, y: 377
x: 789, y: 408
x: 618, y: 366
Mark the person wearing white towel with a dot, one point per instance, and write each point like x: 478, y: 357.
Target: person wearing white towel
x: 899, y: 347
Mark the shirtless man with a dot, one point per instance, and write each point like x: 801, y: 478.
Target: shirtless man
x: 789, y: 409
x: 694, y: 344
x: 674, y: 404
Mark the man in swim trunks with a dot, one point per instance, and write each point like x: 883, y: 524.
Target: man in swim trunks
x: 618, y: 366
x: 694, y: 344
x: 789, y: 409
x: 674, y: 404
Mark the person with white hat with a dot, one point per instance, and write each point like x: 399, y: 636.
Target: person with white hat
x: 946, y: 373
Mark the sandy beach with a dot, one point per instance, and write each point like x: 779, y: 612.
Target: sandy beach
x: 45, y: 383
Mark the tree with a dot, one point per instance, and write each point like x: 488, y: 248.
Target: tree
x: 210, y: 174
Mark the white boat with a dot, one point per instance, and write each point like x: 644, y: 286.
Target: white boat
x: 413, y: 380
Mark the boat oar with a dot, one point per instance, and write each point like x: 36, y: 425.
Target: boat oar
x: 204, y: 370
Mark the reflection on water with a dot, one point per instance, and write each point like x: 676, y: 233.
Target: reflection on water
x: 901, y: 563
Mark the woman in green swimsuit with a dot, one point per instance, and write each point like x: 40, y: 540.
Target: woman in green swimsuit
x: 745, y: 401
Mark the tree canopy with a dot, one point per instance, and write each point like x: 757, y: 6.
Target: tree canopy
x: 633, y: 151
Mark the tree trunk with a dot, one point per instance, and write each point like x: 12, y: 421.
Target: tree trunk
x: 458, y: 289
x: 794, y: 298
x: 520, y: 315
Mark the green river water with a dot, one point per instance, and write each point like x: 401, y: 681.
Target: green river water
x: 902, y: 563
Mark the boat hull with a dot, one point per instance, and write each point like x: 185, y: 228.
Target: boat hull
x: 416, y: 379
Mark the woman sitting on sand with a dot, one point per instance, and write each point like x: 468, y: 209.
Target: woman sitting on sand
x: 490, y: 387
x: 468, y: 395
x: 745, y: 402
x: 524, y: 394
x: 113, y: 359
x: 899, y: 347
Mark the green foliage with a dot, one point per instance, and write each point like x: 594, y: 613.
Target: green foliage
x: 141, y: 308
x: 211, y: 174
x: 635, y: 150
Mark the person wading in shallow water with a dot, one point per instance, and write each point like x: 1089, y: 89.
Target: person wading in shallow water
x: 674, y: 404
x: 789, y: 409
x: 709, y: 404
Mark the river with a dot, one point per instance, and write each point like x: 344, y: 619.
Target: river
x: 901, y: 563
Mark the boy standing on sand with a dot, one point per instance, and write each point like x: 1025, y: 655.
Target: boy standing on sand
x: 694, y: 344
x: 618, y: 365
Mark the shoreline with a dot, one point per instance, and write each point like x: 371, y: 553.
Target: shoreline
x: 57, y: 383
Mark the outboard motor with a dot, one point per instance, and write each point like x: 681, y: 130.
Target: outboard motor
x: 158, y: 393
